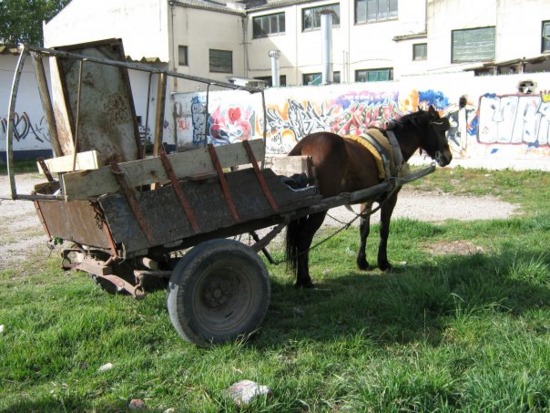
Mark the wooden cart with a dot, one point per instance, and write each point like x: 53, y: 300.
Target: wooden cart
x: 135, y: 222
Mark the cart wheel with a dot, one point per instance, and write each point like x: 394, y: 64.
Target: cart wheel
x: 217, y: 292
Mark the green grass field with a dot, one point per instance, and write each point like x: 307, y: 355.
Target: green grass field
x: 446, y: 333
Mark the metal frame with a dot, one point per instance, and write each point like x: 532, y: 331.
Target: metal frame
x: 39, y: 52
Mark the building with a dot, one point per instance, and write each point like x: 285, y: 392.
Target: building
x: 367, y: 40
x: 379, y: 59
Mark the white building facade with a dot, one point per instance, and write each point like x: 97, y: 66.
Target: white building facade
x: 390, y: 57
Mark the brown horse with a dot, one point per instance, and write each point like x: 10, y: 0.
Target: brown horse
x: 346, y: 165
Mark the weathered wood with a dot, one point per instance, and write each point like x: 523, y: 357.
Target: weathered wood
x: 46, y: 100
x: 90, y: 184
x: 287, y: 165
x: 84, y: 161
x: 167, y: 219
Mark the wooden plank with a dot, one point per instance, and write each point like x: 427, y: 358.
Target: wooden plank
x: 84, y: 160
x: 167, y: 219
x: 287, y: 165
x: 90, y: 184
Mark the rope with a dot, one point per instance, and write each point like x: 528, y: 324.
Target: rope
x: 343, y: 228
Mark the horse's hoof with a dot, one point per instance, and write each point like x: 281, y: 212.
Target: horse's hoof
x: 363, y: 266
x: 307, y: 284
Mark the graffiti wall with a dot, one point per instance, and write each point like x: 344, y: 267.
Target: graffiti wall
x: 496, y: 122
x: 30, y: 128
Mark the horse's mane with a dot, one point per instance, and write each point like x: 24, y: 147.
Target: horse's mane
x: 414, y: 118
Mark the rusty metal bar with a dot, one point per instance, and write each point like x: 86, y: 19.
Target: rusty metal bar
x: 261, y: 179
x: 159, y: 118
x: 141, y: 67
x: 179, y: 192
x: 223, y: 183
x: 133, y: 202
x: 45, y: 169
x: 112, y: 244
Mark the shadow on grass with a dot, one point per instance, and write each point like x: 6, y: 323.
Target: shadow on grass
x: 65, y: 404
x: 412, y: 305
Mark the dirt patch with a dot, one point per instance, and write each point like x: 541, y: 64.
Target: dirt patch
x: 458, y: 247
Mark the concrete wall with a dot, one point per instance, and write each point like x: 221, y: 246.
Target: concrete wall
x: 201, y: 30
x: 498, y: 128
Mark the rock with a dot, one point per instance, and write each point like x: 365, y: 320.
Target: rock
x: 136, y: 404
x: 1, y: 328
x: 244, y: 391
x: 106, y: 367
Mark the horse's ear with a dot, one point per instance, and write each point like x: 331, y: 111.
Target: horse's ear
x: 432, y: 110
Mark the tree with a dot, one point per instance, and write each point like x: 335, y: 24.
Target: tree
x: 21, y: 20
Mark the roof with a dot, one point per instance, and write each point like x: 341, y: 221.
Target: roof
x: 8, y: 49
x: 514, y: 62
x: 241, y: 7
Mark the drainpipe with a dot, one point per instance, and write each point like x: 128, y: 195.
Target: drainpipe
x: 326, y: 42
x: 274, y: 55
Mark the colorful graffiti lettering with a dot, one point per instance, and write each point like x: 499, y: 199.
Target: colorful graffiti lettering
x: 351, y: 113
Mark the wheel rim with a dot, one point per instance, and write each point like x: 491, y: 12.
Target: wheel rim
x: 224, y: 299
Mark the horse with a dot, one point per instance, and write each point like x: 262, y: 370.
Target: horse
x: 346, y: 165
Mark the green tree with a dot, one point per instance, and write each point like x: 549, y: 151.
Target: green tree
x: 21, y: 20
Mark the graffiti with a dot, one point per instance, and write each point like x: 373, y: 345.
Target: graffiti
x: 514, y: 119
x: 350, y: 113
x: 231, y: 125
x: 24, y: 128
x: 183, y: 124
x: 198, y: 119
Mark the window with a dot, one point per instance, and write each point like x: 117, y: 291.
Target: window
x: 269, y: 81
x: 471, y: 45
x: 221, y: 61
x: 182, y: 56
x: 374, y: 75
x: 420, y: 51
x: 263, y: 26
x: 311, y: 17
x: 317, y: 78
x: 546, y: 37
x: 375, y: 10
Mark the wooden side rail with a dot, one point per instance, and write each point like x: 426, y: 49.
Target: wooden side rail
x: 194, y: 163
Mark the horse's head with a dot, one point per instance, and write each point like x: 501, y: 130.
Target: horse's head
x: 435, y: 142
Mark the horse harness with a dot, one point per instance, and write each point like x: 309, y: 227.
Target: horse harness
x: 385, y: 150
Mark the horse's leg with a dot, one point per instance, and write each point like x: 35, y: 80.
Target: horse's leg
x: 385, y: 218
x: 304, y: 240
x: 364, y: 231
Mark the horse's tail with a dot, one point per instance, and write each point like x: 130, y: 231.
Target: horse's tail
x: 291, y: 248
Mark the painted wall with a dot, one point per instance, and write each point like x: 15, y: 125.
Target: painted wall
x: 31, y: 134
x: 499, y: 127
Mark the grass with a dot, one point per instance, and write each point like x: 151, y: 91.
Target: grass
x: 447, y: 333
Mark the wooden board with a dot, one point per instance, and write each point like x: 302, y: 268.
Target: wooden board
x: 84, y: 161
x: 168, y: 222
x: 90, y: 184
x: 287, y: 165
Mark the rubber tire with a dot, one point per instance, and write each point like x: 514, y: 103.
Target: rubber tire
x: 219, y: 291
